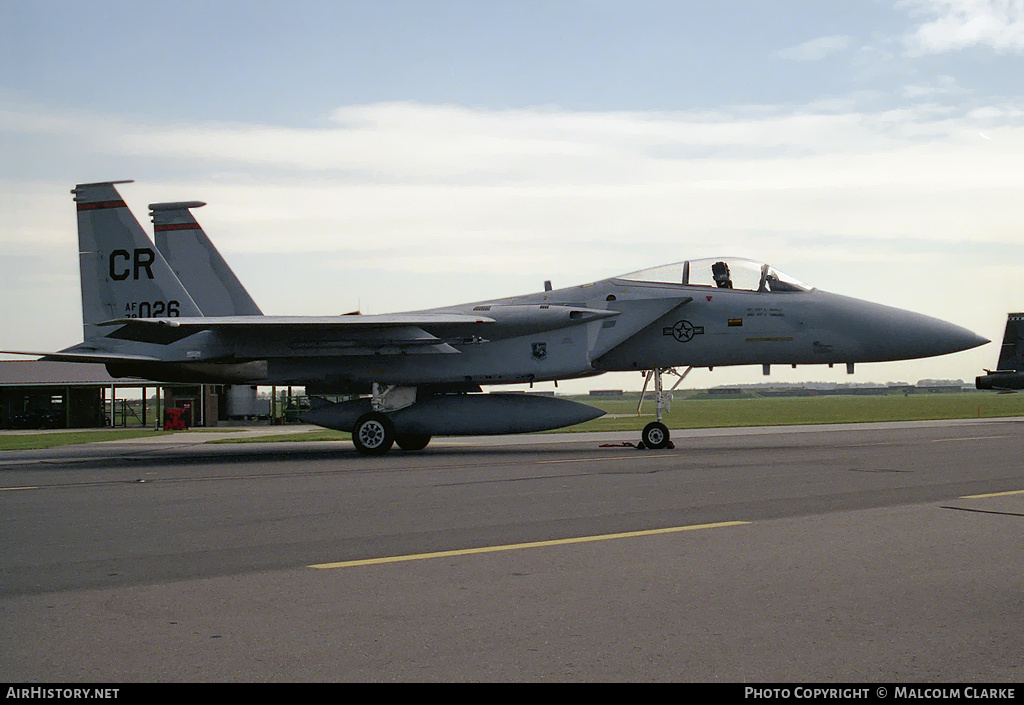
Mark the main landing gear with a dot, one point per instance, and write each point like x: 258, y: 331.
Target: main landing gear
x: 655, y: 434
x: 373, y: 432
x: 412, y: 441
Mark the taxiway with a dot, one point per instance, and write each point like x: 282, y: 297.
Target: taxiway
x: 868, y: 552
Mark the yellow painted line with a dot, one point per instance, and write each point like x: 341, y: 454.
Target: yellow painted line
x: 11, y: 489
x: 518, y: 546
x: 992, y: 494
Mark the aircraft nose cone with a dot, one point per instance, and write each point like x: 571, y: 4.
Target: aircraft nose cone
x: 934, y: 337
x: 909, y: 335
x: 886, y: 333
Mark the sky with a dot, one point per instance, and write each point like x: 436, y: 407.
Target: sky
x: 393, y: 155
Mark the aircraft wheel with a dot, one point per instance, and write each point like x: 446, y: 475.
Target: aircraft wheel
x: 373, y: 434
x: 412, y: 441
x: 655, y: 435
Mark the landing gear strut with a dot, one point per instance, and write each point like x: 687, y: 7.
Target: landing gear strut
x: 655, y: 434
x: 374, y: 433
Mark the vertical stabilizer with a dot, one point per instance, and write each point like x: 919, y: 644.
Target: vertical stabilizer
x: 123, y: 275
x: 1011, y: 354
x: 196, y: 262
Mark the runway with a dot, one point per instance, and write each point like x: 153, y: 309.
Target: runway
x: 869, y: 552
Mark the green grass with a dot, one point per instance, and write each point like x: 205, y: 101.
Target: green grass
x: 689, y: 410
x: 702, y: 411
x: 33, y: 441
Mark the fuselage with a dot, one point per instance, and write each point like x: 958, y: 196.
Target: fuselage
x: 624, y: 323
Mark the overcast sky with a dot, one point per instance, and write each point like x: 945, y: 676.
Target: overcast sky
x: 391, y: 156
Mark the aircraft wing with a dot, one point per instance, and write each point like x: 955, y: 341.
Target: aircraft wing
x: 253, y: 337
x: 334, y: 322
x: 428, y: 332
x: 97, y: 357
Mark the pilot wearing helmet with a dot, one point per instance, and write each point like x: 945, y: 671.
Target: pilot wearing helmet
x: 720, y: 271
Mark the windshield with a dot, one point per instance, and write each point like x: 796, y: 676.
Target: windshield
x: 720, y: 273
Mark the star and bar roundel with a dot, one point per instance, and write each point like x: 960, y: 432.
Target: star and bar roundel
x: 683, y: 331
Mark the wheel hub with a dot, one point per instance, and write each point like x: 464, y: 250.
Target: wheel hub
x: 372, y: 434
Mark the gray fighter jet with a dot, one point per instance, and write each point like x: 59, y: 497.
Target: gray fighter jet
x: 1009, y: 372
x: 421, y: 372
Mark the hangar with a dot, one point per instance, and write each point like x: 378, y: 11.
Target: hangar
x: 36, y: 394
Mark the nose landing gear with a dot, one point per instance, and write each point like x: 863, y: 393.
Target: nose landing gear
x: 655, y: 434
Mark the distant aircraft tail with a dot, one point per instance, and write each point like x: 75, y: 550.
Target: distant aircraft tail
x: 123, y: 275
x: 1009, y: 373
x: 1011, y: 354
x: 196, y: 262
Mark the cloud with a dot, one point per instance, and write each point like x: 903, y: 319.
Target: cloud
x: 438, y: 184
x: 940, y: 86
x: 816, y: 49
x: 395, y: 206
x: 959, y: 24
x: 426, y: 149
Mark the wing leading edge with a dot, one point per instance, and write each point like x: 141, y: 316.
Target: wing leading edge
x: 390, y: 331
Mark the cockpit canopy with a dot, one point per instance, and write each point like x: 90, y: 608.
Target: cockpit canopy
x: 721, y: 273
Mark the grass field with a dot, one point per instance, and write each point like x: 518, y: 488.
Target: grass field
x: 688, y: 410
x: 704, y: 411
x: 32, y: 441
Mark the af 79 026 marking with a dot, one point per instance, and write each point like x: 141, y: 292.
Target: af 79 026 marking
x: 152, y: 309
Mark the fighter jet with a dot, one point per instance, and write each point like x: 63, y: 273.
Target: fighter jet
x: 1009, y: 372
x: 421, y: 372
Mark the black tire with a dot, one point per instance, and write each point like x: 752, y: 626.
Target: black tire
x: 373, y: 434
x: 412, y: 441
x: 655, y: 435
